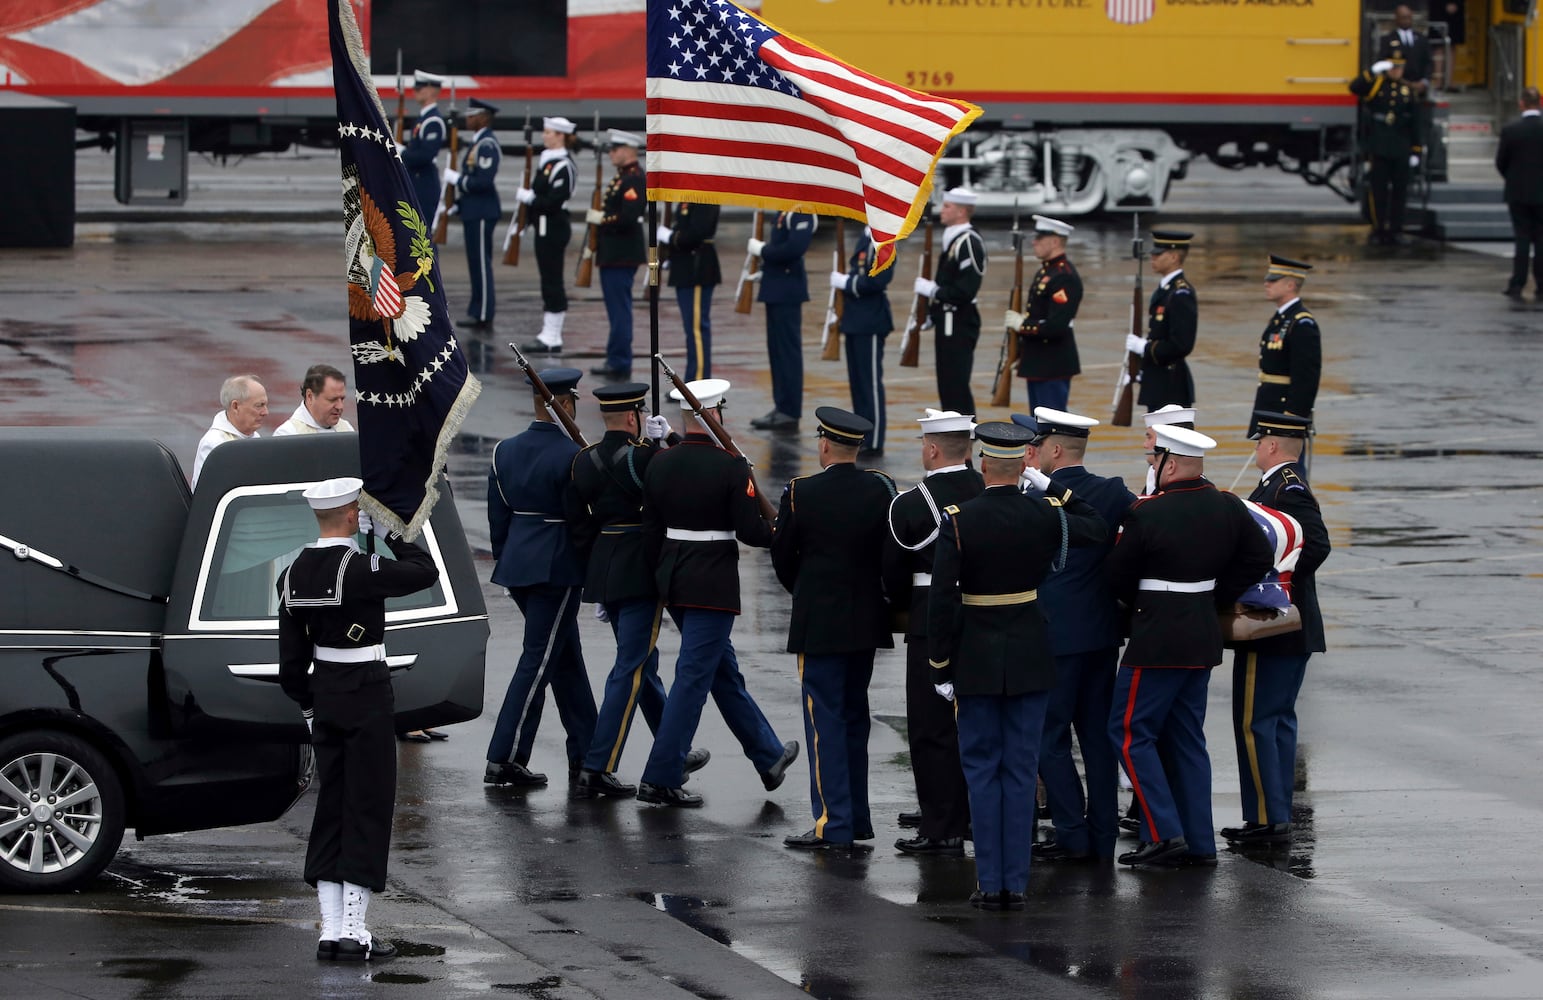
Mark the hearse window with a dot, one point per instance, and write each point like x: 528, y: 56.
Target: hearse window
x: 259, y: 536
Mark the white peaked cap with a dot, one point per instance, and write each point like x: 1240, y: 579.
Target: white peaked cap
x: 1045, y: 224
x: 1173, y: 413
x: 1062, y: 422
x: 332, y: 493
x: 946, y: 421
x: 708, y: 391
x: 620, y: 138
x: 1183, y: 441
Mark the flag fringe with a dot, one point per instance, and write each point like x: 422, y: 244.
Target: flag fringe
x: 452, y: 426
x: 354, y: 42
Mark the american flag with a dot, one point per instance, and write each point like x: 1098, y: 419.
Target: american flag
x: 741, y: 113
x: 1284, y: 533
x: 388, y: 294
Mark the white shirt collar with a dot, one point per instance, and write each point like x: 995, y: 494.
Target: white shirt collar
x: 1167, y: 279
x: 947, y: 468
x: 549, y: 155
x: 1272, y: 470
x: 1288, y: 305
x: 954, y: 232
x: 428, y: 108
x: 334, y: 542
x: 303, y: 415
x: 222, y: 423
x: 1532, y: 113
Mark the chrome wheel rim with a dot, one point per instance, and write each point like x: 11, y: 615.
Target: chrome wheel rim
x: 50, y: 813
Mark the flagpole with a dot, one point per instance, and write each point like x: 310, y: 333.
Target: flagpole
x: 653, y: 295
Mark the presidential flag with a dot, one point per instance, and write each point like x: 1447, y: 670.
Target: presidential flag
x: 1284, y: 533
x: 412, y: 388
x: 742, y: 113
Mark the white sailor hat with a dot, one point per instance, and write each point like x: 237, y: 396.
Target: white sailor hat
x: 960, y: 196
x: 946, y: 422
x: 1046, y: 226
x: 558, y: 124
x: 1063, y: 423
x: 422, y: 78
x: 1173, y: 413
x: 620, y: 138
x: 1182, y: 441
x: 708, y: 391
x: 333, y: 493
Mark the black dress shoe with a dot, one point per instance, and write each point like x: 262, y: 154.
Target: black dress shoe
x: 1056, y: 854
x: 1012, y: 900
x: 1513, y: 292
x: 413, y: 737
x: 696, y: 759
x: 1130, y: 824
x: 812, y: 841
x: 910, y: 819
x: 1157, y: 852
x: 601, y: 785
x: 776, y: 420
x: 540, y: 347
x: 659, y: 795
x: 772, y: 777
x: 1198, y: 861
x: 947, y: 847
x: 511, y: 773
x: 1258, y: 833
x: 378, y: 949
x: 605, y: 371
x: 866, y: 834
x: 986, y: 900
x: 326, y: 951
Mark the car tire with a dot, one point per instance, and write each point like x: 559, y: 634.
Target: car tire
x: 69, y: 847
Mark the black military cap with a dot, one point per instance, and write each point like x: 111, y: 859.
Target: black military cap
x: 475, y: 105
x: 1061, y: 422
x: 620, y: 397
x: 560, y: 380
x: 1000, y: 439
x: 841, y: 426
x: 1286, y: 425
x: 1282, y: 267
x: 1031, y: 425
x: 1170, y: 239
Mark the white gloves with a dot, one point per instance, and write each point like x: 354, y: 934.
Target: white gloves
x: 656, y: 428
x: 755, y: 246
x: 925, y: 286
x: 594, y: 216
x: 600, y: 615
x: 1382, y: 66
x: 366, y: 523
x: 1414, y: 159
x: 1036, y: 479
x: 1013, y: 320
x: 663, y: 233
x: 945, y: 690
x: 754, y: 276
x: 452, y: 176
x: 1136, y: 345
x: 838, y: 280
x: 525, y: 196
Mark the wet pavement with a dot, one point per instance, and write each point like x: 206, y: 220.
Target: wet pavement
x: 1412, y: 873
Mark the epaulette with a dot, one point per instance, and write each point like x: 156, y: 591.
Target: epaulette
x: 1304, y: 314
x: 1182, y: 282
x: 1059, y: 501
x: 951, y: 509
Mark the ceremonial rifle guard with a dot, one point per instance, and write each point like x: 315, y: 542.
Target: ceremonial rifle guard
x: 547, y: 199
x: 477, y: 204
x: 784, y: 290
x: 620, y: 249
x: 1047, y: 344
x: 1291, y: 349
x: 866, y: 321
x: 1173, y: 316
x: 1393, y: 143
x: 694, y: 272
x: 951, y: 294
x: 420, y: 154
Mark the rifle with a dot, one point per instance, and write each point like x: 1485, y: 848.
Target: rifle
x: 831, y: 340
x: 1007, y: 359
x: 745, y: 294
x: 1125, y: 388
x: 521, y: 214
x: 910, y: 346
x: 442, y: 213
x: 592, y: 232
x: 710, y: 420
x: 401, y: 100
x: 566, y: 422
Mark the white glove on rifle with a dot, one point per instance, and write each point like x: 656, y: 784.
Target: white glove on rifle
x: 366, y: 523
x: 945, y: 690
x: 838, y: 280
x: 525, y: 196
x: 1013, y: 320
x: 452, y: 177
x: 662, y: 234
x: 755, y: 246
x: 1414, y: 159
x: 593, y: 216
x: 1136, y: 345
x: 600, y: 615
x: 925, y: 286
x: 656, y: 428
x: 1036, y: 479
x: 1382, y: 66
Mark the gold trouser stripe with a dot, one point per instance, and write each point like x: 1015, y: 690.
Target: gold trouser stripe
x: 819, y: 786
x: 998, y: 600
x: 614, y: 761
x: 697, y: 347
x: 1274, y: 379
x: 1250, y: 675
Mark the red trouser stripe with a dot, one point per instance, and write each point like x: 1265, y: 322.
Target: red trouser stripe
x: 1130, y: 768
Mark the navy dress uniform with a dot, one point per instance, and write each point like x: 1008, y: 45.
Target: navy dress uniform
x: 332, y: 613
x: 535, y: 560
x: 988, y: 639
x: 697, y: 500
x: 420, y: 154
x: 1267, y: 673
x: 784, y: 290
x: 551, y: 185
x: 932, y: 736
x: 620, y: 249
x: 694, y: 273
x: 1047, y: 342
x: 1183, y: 554
x: 476, y: 201
x: 1173, y: 317
x: 1393, y: 143
x: 1085, y: 637
x: 1290, y: 352
x: 828, y: 553
x: 865, y: 322
x: 955, y: 316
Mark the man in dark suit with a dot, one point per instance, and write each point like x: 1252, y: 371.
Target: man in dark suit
x: 1173, y: 316
x: 537, y: 563
x: 1520, y: 161
x: 989, y: 647
x: 1085, y: 637
x: 694, y: 273
x: 828, y: 553
x: 1267, y: 673
x: 1182, y: 553
x: 1411, y: 43
x: 865, y: 322
x: 943, y: 814
x: 784, y: 290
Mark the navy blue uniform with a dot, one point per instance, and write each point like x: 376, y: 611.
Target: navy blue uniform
x: 955, y: 317
x: 477, y: 203
x: 784, y: 290
x: 1047, y: 344
x: 1085, y: 636
x: 552, y: 185
x: 620, y: 249
x: 694, y: 273
x: 537, y: 562
x: 1173, y: 317
x: 420, y: 155
x: 865, y: 322
x: 1267, y: 673
x: 1290, y: 363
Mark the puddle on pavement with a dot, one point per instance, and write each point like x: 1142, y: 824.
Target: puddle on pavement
x: 538, y: 988
x: 1369, y: 450
x: 401, y: 978
x: 1403, y: 536
x: 163, y: 971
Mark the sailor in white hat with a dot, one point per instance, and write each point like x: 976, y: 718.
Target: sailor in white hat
x: 1047, y: 346
x: 620, y: 249
x: 332, y: 612
x: 546, y: 201
x: 1171, y: 414
x: 952, y: 291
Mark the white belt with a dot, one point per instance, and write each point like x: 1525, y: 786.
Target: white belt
x: 1179, y: 586
x: 687, y: 535
x: 921, y: 579
x: 363, y: 654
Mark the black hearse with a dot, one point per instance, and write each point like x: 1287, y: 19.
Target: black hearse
x: 138, y: 641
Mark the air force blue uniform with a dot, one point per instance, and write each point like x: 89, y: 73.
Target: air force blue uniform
x: 478, y: 205
x: 784, y: 290
x: 421, y: 157
x: 865, y: 321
